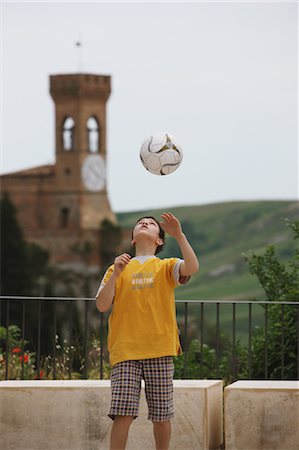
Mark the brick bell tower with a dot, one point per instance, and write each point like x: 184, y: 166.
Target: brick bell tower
x: 60, y: 207
x: 80, y: 130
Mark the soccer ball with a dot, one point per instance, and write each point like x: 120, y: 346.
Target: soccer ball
x: 161, y: 154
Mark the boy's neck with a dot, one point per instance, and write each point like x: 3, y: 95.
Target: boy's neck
x: 145, y: 249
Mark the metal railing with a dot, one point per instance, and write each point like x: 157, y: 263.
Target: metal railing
x: 211, y: 323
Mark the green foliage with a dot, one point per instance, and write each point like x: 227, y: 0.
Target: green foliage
x: 12, y: 334
x: 278, y: 365
x: 280, y: 282
x: 21, y: 358
x: 38, y: 259
x: 93, y: 371
x: 203, y: 363
x: 21, y: 263
x: 15, y: 356
x: 16, y: 278
x: 198, y: 364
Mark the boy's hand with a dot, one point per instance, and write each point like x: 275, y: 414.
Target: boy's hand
x: 120, y: 263
x: 171, y: 225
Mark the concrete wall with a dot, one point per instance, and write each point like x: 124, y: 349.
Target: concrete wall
x: 262, y: 415
x: 68, y: 415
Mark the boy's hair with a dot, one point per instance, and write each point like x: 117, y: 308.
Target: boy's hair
x: 161, y: 232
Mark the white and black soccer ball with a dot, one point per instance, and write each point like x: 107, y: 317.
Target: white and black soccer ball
x: 161, y: 154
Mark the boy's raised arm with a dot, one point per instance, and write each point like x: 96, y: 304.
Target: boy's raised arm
x: 172, y: 226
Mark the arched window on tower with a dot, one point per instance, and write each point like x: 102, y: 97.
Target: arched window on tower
x: 64, y: 217
x: 93, y: 135
x: 68, y: 133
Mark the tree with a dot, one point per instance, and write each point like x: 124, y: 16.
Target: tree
x: 22, y: 263
x: 15, y: 271
x: 24, y: 267
x: 281, y: 283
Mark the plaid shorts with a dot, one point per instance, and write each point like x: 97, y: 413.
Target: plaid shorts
x: 126, y: 388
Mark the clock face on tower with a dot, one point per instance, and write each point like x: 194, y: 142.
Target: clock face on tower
x: 93, y: 173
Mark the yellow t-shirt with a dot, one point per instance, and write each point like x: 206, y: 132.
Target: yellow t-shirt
x: 143, y: 323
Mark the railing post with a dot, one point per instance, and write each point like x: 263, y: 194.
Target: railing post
x: 186, y: 339
x: 23, y: 335
x: 201, y: 336
x: 266, y: 341
x: 249, y: 339
x: 38, y: 338
x: 298, y: 341
x: 101, y: 343
x: 54, y: 341
x: 85, y: 339
x: 217, y: 337
x: 282, y: 341
x: 7, y: 339
x: 234, y: 343
x: 71, y: 340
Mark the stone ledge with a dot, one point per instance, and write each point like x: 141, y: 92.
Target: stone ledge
x: 72, y: 414
x: 261, y: 415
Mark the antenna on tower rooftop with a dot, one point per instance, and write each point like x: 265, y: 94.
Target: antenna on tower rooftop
x: 78, y: 45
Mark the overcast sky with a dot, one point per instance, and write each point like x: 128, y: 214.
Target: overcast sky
x: 220, y: 76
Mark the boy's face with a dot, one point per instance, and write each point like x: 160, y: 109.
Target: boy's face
x: 147, y: 228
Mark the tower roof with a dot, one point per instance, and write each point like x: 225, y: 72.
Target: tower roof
x: 80, y: 85
x: 41, y: 171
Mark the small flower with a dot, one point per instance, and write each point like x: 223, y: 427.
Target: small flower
x: 16, y: 350
x: 26, y: 358
x: 41, y: 374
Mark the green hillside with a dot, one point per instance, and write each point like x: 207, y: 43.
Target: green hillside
x: 220, y: 234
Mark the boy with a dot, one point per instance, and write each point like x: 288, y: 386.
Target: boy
x: 143, y: 332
